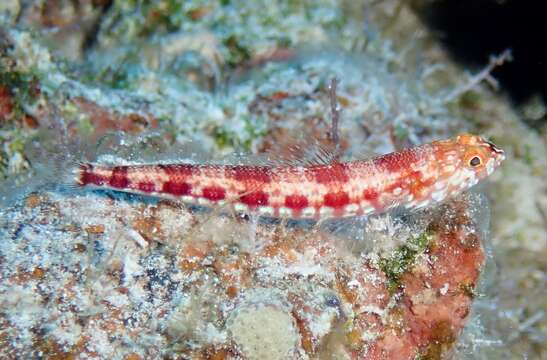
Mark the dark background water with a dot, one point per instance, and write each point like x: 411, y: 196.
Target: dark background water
x: 473, y: 30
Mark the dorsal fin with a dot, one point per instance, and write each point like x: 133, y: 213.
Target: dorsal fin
x: 302, y: 152
x: 148, y: 147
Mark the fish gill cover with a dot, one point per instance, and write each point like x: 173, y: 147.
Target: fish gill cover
x: 91, y: 274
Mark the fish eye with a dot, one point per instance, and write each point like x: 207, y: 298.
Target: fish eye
x: 475, y: 161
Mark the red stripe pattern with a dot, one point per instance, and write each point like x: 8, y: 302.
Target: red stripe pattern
x: 412, y: 178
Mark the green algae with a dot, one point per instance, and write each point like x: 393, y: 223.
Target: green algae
x: 243, y: 29
x: 402, y: 259
x: 240, y: 140
x: 23, y: 88
x: 22, y: 85
x: 469, y: 289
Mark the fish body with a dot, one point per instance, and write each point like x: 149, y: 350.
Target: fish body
x: 411, y: 178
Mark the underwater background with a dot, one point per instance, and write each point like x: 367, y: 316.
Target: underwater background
x: 91, y: 274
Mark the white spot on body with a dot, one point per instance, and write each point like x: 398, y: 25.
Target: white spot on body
x: 266, y: 210
x: 449, y: 168
x: 364, y: 204
x: 285, y: 212
x: 239, y: 207
x: 204, y: 202
x: 367, y: 209
x: 308, y: 212
x: 397, y: 191
x: 351, y: 209
x: 188, y: 199
x: 326, y: 211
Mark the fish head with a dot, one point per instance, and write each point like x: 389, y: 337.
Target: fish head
x: 478, y: 155
x: 463, y: 161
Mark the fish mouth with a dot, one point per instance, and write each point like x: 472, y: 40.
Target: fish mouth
x: 498, y: 153
x: 494, y: 148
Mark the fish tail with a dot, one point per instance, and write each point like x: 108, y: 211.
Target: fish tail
x: 80, y: 172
